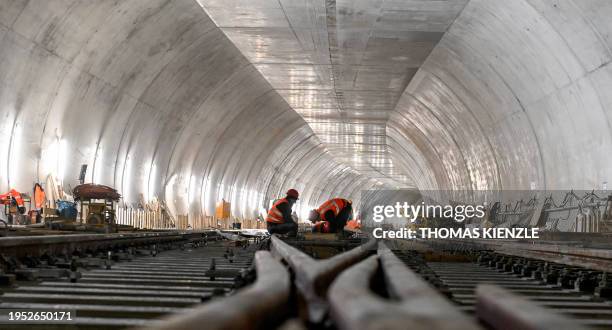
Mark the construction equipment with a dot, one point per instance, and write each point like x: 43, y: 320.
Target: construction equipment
x: 99, y: 213
x: 14, y: 206
x: 97, y: 204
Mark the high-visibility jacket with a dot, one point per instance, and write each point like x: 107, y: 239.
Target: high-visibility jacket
x: 275, y: 215
x: 39, y: 197
x: 335, y: 205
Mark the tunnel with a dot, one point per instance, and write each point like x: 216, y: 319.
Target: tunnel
x: 192, y: 103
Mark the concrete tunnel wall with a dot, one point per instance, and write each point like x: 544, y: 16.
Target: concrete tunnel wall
x: 157, y: 101
x: 517, y: 95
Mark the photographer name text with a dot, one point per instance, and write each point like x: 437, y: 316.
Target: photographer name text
x: 458, y: 233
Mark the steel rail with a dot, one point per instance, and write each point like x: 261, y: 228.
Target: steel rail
x: 411, y: 299
x: 313, y: 277
x: 50, y: 244
x: 418, y: 298
x: 354, y: 306
x: 80, y: 238
x: 503, y: 310
x: 258, y: 306
x: 600, y: 259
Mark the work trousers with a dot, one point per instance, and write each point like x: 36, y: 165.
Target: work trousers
x: 282, y: 228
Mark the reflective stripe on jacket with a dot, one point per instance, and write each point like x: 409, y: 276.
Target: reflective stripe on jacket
x: 335, y: 205
x: 275, y: 215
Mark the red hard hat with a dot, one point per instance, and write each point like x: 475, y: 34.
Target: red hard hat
x: 293, y: 193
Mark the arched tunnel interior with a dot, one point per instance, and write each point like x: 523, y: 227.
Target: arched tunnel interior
x: 191, y: 102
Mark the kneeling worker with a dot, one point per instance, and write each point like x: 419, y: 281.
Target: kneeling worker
x: 279, y: 219
x: 331, y: 216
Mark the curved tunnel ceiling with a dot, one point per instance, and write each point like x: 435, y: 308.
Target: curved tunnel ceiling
x: 159, y: 102
x: 342, y: 64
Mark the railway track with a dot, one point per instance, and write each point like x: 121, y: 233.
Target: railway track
x: 185, y: 281
x: 567, y: 290
x: 145, y: 283
x: 561, y: 296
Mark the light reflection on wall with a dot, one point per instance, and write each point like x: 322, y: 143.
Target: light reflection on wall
x: 15, y: 155
x: 5, y: 135
x: 62, y: 159
x: 207, y: 206
x: 126, y: 181
x: 192, y: 188
x: 98, y: 168
x: 152, y: 182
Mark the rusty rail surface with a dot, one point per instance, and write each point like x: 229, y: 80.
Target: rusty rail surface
x: 412, y: 300
x: 418, y: 298
x: 354, y: 306
x: 313, y: 277
x: 503, y: 310
x: 600, y: 259
x: 593, y: 258
x: 258, y: 306
x: 36, y: 245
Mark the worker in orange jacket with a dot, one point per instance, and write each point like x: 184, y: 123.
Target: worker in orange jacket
x: 279, y: 219
x: 13, y: 197
x: 331, y: 216
x: 40, y: 198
